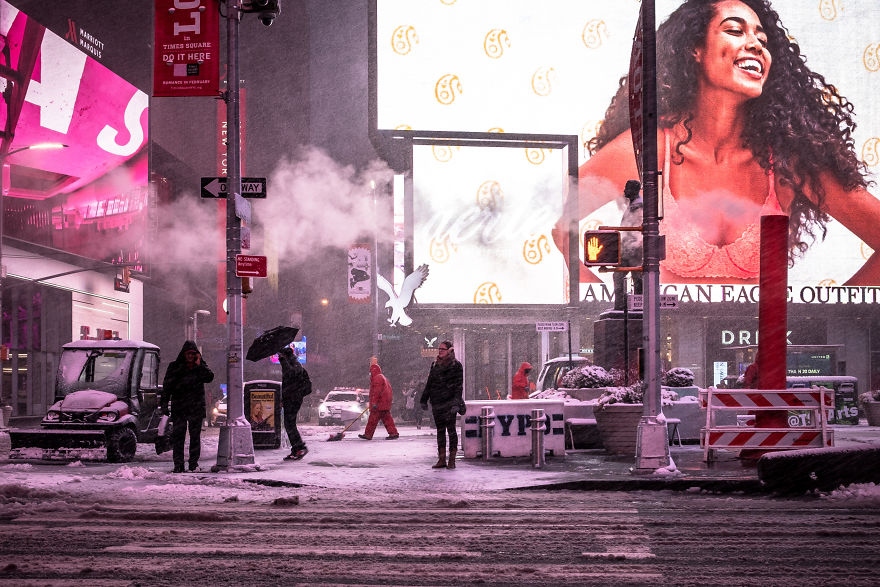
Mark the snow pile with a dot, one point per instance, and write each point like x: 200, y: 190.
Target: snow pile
x: 670, y: 470
x: 867, y: 492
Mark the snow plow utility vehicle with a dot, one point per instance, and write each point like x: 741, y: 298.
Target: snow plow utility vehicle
x: 106, y: 395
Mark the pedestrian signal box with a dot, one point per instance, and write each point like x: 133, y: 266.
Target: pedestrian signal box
x: 602, y: 247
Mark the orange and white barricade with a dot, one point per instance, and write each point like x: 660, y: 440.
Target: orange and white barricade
x: 730, y: 421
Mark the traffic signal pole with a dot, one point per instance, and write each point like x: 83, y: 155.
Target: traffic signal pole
x: 652, y: 448
x: 235, y: 446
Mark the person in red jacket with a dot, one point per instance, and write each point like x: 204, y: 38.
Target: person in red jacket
x: 380, y: 405
x: 521, y: 386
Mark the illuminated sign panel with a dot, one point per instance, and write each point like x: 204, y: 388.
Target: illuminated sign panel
x: 95, y: 190
x: 516, y: 66
x: 482, y: 224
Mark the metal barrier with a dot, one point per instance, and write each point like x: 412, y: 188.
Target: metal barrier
x: 812, y: 432
x: 538, y: 420
x: 487, y: 423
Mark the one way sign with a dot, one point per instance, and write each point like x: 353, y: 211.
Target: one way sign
x: 251, y: 187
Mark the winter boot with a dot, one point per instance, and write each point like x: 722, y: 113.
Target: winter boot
x: 450, y: 464
x: 441, y: 460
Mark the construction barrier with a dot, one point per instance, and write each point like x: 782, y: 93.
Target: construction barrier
x: 512, y: 429
x: 807, y: 422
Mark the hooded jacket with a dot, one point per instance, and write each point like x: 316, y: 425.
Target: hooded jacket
x: 184, y: 386
x: 380, y: 390
x: 521, y: 386
x: 295, y: 381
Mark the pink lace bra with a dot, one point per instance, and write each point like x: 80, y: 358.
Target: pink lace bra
x: 689, y: 255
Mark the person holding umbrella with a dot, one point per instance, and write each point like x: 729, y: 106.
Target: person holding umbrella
x: 295, y: 386
x: 184, y: 388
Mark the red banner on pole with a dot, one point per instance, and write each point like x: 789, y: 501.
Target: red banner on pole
x: 186, y: 48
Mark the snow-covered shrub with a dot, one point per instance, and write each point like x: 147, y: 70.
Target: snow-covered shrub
x: 870, y: 396
x: 634, y: 394
x: 678, y: 377
x: 586, y: 376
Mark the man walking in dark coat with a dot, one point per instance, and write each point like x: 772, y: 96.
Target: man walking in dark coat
x: 184, y: 387
x: 295, y: 385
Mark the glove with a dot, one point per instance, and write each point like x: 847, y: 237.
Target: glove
x: 166, y: 411
x: 374, y: 407
x: 462, y: 408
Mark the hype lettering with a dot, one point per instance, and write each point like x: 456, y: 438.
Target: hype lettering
x: 523, y: 421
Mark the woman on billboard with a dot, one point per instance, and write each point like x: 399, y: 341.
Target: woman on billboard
x: 745, y: 129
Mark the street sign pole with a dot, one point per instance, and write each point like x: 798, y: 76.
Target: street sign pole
x: 235, y: 446
x: 652, y: 449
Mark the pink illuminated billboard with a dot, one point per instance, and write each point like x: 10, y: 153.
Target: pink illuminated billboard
x: 98, y: 183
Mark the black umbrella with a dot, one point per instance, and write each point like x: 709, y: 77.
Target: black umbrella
x: 270, y: 342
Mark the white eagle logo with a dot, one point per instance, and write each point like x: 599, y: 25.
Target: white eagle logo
x: 398, y: 303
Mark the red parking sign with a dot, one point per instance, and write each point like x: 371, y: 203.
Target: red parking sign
x: 250, y: 266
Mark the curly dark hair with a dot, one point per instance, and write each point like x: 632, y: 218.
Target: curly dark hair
x: 800, y: 126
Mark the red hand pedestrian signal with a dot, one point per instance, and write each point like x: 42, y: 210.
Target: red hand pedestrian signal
x: 602, y: 247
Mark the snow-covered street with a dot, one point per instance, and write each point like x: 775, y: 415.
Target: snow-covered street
x: 358, y: 512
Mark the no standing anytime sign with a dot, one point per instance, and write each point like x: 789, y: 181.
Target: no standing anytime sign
x: 250, y: 266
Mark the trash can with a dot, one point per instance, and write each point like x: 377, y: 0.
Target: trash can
x: 262, y: 408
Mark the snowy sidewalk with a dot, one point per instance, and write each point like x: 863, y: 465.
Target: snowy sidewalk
x: 405, y: 464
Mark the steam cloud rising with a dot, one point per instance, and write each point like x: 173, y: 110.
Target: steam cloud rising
x: 312, y: 202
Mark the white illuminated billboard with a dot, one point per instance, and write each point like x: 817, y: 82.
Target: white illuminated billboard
x: 552, y: 67
x: 482, y: 218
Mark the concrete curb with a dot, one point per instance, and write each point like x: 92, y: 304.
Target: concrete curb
x: 823, y: 469
x: 710, y: 485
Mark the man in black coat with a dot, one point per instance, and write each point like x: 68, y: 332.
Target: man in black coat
x: 295, y: 385
x: 184, y: 387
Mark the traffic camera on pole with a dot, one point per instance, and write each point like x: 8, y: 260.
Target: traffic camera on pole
x: 267, y: 10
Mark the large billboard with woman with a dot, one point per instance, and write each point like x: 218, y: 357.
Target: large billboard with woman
x: 764, y: 108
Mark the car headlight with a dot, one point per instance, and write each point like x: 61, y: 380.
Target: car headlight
x: 108, y: 416
x: 52, y: 416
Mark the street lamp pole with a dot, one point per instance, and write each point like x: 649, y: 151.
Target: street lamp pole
x: 3, y: 158
x: 374, y: 270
